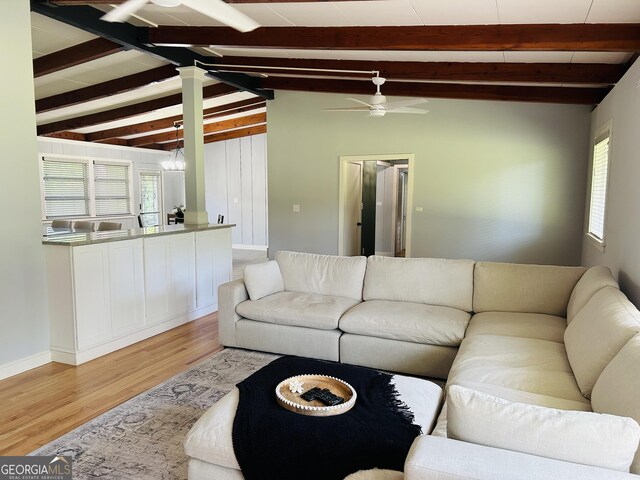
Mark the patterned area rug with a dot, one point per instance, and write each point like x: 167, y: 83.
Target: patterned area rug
x: 142, y: 438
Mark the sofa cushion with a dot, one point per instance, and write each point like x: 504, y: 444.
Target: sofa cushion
x: 597, y: 333
x: 410, y: 322
x: 322, y: 274
x: 593, y: 280
x: 511, y: 287
x: 299, y: 309
x: 512, y: 324
x: 511, y: 395
x: 617, y: 390
x: 530, y: 365
x: 600, y: 440
x: 262, y: 279
x: 434, y: 281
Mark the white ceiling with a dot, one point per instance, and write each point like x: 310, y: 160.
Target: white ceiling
x: 50, y: 36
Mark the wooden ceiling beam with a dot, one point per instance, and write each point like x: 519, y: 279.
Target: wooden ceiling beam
x: 167, y: 122
x: 587, y: 96
x: 242, y: 132
x: 218, y: 137
x: 619, y: 37
x: 75, y: 55
x: 207, y: 128
x: 210, y: 91
x: 439, y: 71
x: 69, y: 136
x: 105, y: 89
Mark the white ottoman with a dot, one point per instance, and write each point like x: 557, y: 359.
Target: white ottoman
x: 210, y: 446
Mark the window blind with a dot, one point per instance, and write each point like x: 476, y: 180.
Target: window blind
x: 66, y: 188
x: 112, y: 189
x: 599, y: 181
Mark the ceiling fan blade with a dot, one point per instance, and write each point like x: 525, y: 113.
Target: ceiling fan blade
x: 354, y: 109
x: 223, y: 12
x: 405, y: 103
x: 408, y: 110
x: 122, y: 12
x: 360, y: 101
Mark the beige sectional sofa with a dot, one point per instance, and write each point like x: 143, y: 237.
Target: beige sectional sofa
x: 537, y: 347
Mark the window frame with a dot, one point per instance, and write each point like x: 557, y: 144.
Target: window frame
x: 130, y: 185
x: 604, y: 132
x: 89, y: 162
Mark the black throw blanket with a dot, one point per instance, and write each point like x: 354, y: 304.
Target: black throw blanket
x: 271, y: 442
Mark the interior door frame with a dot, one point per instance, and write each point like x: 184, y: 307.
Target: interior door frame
x: 342, y: 186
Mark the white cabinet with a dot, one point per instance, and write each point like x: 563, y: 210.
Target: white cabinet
x: 214, y: 266
x: 92, y: 304
x: 126, y: 285
x: 105, y: 296
x: 169, y: 276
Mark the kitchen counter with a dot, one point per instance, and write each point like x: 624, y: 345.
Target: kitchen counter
x: 76, y: 239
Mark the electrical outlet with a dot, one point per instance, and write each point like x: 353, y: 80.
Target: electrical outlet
x: 296, y: 208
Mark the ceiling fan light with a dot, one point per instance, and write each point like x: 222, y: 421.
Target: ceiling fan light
x: 377, y: 112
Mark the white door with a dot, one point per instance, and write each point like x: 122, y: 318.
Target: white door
x: 353, y: 209
x: 150, y: 199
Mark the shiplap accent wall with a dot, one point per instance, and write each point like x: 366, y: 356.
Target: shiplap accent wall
x: 236, y: 187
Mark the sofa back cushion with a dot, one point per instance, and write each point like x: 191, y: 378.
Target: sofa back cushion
x: 593, y: 280
x: 322, y: 274
x: 597, y: 333
x: 433, y: 281
x: 605, y: 441
x: 513, y: 287
x: 262, y: 279
x: 617, y: 390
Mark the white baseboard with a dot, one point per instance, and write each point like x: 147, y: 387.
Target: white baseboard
x: 23, y: 364
x: 250, y: 247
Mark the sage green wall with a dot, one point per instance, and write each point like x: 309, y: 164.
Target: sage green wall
x: 498, y: 181
x: 23, y: 301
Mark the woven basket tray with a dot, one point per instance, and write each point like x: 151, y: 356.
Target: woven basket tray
x: 293, y: 402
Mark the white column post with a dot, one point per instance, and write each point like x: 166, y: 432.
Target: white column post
x: 192, y: 78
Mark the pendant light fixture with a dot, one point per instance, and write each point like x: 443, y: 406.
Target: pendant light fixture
x: 176, y: 161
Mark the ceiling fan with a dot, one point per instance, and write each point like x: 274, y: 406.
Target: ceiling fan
x: 377, y: 105
x: 216, y: 9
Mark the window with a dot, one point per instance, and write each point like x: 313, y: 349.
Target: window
x: 66, y: 188
x: 112, y: 191
x: 599, y: 186
x: 77, y: 187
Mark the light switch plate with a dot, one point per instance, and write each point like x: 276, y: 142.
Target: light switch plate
x: 419, y: 209
x: 296, y: 208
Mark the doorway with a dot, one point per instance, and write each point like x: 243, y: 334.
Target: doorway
x: 375, y: 197
x: 150, y: 198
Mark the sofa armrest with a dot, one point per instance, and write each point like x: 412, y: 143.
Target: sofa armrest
x: 229, y: 296
x: 440, y: 458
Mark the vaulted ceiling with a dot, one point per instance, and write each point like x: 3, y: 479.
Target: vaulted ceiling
x: 116, y: 83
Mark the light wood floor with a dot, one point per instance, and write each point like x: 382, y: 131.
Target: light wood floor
x: 40, y: 405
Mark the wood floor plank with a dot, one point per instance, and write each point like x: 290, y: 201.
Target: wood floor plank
x: 42, y: 404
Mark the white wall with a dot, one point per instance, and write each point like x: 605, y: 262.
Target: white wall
x: 501, y: 181
x: 142, y: 159
x: 384, y: 210
x: 622, y: 229
x: 236, y: 187
x: 23, y: 298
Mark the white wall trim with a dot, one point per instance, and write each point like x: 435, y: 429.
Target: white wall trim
x: 342, y: 186
x: 249, y: 247
x: 23, y: 364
